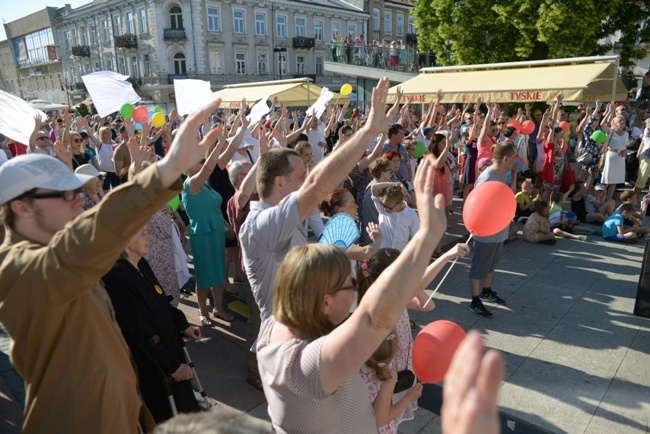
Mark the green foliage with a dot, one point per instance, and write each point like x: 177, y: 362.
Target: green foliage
x: 475, y: 31
x: 83, y: 110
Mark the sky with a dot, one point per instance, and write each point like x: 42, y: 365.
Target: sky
x: 23, y: 8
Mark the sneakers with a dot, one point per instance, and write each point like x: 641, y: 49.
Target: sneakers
x: 479, y: 309
x: 492, y: 297
x: 582, y: 237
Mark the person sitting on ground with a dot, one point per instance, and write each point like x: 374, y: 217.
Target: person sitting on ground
x: 537, y: 228
x: 565, y: 221
x: 596, y: 203
x: 615, y: 230
x: 630, y: 196
x: 524, y: 202
x: 397, y: 221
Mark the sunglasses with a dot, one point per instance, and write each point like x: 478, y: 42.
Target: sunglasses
x: 388, y: 208
x: 42, y: 138
x: 68, y: 195
x: 353, y: 287
x: 77, y: 140
x: 502, y: 123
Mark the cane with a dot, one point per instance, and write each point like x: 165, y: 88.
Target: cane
x: 167, y: 380
x: 195, y: 377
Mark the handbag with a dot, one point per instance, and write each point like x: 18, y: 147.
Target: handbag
x: 405, y: 380
x: 584, y: 157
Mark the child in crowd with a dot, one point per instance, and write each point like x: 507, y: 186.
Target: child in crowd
x: 615, y: 230
x: 397, y: 221
x: 597, y: 205
x: 524, y: 202
x: 631, y: 196
x: 410, y: 145
x: 380, y: 377
x: 565, y: 221
x: 537, y: 228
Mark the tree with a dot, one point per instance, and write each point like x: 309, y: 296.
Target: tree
x: 475, y: 31
x: 83, y: 110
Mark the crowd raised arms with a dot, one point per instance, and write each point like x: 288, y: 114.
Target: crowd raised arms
x: 252, y: 194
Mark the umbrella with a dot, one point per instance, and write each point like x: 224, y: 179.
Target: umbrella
x: 46, y: 106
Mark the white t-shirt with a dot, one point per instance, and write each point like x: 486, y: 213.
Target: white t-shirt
x: 398, y: 227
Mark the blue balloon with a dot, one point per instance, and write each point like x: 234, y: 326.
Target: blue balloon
x: 151, y: 113
x: 138, y: 127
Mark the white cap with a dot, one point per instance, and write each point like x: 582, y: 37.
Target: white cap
x: 599, y: 187
x: 89, y: 169
x: 26, y: 172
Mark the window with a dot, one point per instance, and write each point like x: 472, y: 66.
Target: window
x: 216, y: 62
x: 146, y: 66
x: 92, y: 30
x: 104, y: 30
x: 238, y: 19
x: 399, y: 28
x: 281, y: 26
x: 318, y: 29
x: 262, y: 63
x: 134, y: 67
x: 130, y: 23
x: 213, y: 19
x: 282, y: 64
x: 300, y: 65
x: 240, y: 63
x: 300, y: 27
x: 51, y: 81
x: 319, y: 66
x: 82, y: 36
x: 176, y: 18
x: 97, y: 66
x: 179, y: 64
x: 388, y: 22
x: 352, y: 29
x: 66, y: 39
x: 336, y: 29
x: 376, y: 25
x: 121, y: 66
x: 411, y: 28
x: 260, y: 24
x: 117, y: 25
x: 143, y: 21
x: 109, y: 65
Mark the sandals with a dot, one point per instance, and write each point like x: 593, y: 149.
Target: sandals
x: 225, y: 317
x: 205, y: 320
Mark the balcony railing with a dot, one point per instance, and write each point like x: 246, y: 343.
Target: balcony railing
x: 136, y: 82
x: 80, y: 86
x: 304, y: 43
x: 126, y: 41
x: 374, y: 56
x: 174, y: 34
x: 81, y: 51
x: 172, y: 77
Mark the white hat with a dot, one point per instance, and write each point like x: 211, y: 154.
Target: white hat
x: 89, y: 169
x: 26, y: 172
x: 599, y: 187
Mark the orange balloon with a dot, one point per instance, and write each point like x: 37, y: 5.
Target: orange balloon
x: 433, y: 349
x: 528, y: 127
x: 564, y: 125
x: 516, y: 125
x: 489, y: 208
x: 139, y: 114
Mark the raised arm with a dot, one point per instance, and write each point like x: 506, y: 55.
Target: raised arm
x: 38, y: 125
x: 365, y: 162
x: 232, y: 147
x: 486, y: 124
x: 347, y: 347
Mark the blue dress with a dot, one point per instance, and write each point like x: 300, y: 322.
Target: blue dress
x: 207, y: 231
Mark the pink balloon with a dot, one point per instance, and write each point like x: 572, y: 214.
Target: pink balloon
x: 564, y: 125
x: 489, y: 208
x: 516, y: 125
x: 433, y: 349
x: 528, y: 127
x: 140, y: 114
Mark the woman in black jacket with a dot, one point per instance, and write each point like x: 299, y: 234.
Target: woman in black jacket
x: 153, y: 329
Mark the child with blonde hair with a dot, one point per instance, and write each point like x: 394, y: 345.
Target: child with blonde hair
x: 397, y: 221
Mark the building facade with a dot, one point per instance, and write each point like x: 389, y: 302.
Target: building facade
x: 223, y: 42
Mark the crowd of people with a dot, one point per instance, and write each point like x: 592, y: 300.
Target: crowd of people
x: 95, y: 251
x: 385, y: 54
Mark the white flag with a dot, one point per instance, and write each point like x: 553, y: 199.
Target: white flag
x: 109, y: 91
x: 191, y: 94
x: 318, y: 108
x: 17, y: 117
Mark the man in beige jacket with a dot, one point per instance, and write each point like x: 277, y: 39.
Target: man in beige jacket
x: 65, y: 342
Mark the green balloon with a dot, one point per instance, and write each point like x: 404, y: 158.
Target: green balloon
x: 127, y: 110
x: 420, y: 150
x: 157, y: 109
x: 599, y: 137
x: 174, y: 203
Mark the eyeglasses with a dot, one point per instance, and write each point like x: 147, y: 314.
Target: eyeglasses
x: 353, y: 287
x: 68, y: 195
x: 388, y: 208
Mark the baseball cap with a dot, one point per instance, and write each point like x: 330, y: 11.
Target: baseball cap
x: 89, y: 169
x: 484, y: 162
x: 599, y: 187
x: 26, y: 172
x: 426, y: 131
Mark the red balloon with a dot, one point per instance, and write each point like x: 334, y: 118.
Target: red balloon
x: 139, y: 114
x: 528, y: 127
x: 489, y: 208
x: 515, y: 124
x: 433, y: 349
x: 564, y: 125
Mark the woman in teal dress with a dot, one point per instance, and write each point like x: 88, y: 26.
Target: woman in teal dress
x: 207, y: 228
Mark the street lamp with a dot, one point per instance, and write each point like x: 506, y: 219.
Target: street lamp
x: 279, y: 51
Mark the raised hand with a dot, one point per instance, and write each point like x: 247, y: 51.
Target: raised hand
x: 378, y: 121
x: 281, y: 138
x: 139, y: 152
x: 431, y: 209
x: 374, y: 233
x: 129, y: 126
x: 439, y: 95
x: 63, y: 153
x: 67, y: 118
x: 264, y: 141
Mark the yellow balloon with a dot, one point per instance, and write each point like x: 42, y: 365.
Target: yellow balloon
x: 158, y: 120
x: 346, y: 89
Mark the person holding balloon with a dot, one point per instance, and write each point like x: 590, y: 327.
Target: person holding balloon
x: 487, y: 215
